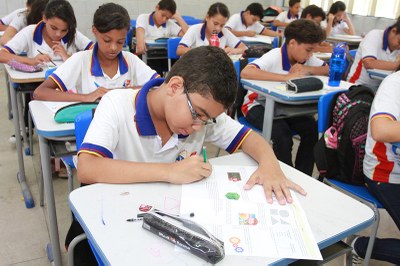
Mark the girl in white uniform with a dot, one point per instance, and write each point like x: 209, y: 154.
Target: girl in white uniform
x: 90, y: 74
x: 200, y: 34
x: 338, y: 22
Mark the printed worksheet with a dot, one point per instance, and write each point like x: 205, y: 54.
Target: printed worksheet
x: 244, y: 221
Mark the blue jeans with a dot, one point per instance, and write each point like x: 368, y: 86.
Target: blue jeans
x: 387, y: 249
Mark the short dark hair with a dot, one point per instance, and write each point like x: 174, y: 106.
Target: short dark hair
x: 313, y: 11
x: 304, y: 31
x: 207, y: 70
x: 396, y: 25
x: 36, y: 13
x: 293, y: 2
x: 218, y: 8
x: 168, y: 5
x: 336, y: 7
x: 63, y: 10
x: 256, y: 9
x: 111, y: 16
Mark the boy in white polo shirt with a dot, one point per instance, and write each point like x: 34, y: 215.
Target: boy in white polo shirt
x: 158, y: 25
x: 284, y: 18
x: 88, y: 75
x: 294, y: 59
x: 246, y: 23
x: 380, y: 49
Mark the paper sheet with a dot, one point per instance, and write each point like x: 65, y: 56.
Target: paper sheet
x: 257, y: 38
x: 54, y: 106
x: 247, y: 224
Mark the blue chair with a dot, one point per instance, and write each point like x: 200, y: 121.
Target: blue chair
x: 360, y: 193
x: 129, y: 36
x: 275, y: 42
x: 193, y: 21
x: 187, y: 17
x: 172, y: 45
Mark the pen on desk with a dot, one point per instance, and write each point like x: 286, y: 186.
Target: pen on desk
x: 140, y: 217
x: 204, y: 154
x: 40, y: 52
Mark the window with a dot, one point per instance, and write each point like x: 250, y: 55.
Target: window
x: 361, y: 7
x: 387, y: 8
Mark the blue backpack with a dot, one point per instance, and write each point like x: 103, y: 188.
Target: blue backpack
x: 339, y: 154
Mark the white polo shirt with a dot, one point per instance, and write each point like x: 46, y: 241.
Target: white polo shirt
x: 286, y: 17
x: 19, y: 22
x: 275, y: 61
x: 196, y: 36
x: 6, y: 20
x: 374, y: 45
x: 122, y: 129
x: 82, y: 72
x: 236, y: 22
x: 338, y: 29
x: 30, y: 40
x: 168, y: 29
x: 381, y: 162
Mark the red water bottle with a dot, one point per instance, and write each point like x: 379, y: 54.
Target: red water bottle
x: 214, y: 40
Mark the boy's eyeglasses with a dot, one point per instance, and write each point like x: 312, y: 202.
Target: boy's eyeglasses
x: 195, y: 116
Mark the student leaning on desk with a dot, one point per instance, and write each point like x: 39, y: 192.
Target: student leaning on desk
x: 88, y: 75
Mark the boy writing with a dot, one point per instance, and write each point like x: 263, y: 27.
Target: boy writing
x: 246, y: 23
x: 294, y: 59
x: 155, y: 134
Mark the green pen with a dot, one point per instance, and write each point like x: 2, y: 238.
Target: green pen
x: 205, y: 154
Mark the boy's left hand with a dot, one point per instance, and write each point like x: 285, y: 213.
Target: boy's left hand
x: 276, y: 183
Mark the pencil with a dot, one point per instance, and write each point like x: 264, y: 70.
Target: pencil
x: 205, y: 154
x: 40, y: 52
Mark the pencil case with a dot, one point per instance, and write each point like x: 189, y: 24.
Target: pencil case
x: 299, y: 85
x: 68, y: 113
x: 23, y: 67
x: 185, y: 234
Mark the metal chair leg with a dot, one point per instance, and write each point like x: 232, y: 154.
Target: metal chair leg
x: 71, y: 248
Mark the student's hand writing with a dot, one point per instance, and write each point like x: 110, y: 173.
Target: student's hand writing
x: 298, y: 69
x: 251, y: 33
x: 276, y: 183
x: 40, y: 59
x: 189, y: 170
x: 141, y: 48
x: 95, y: 95
x: 59, y: 50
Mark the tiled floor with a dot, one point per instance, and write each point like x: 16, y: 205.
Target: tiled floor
x: 24, y: 232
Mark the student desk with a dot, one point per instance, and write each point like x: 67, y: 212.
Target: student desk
x: 323, y: 56
x: 281, y: 103
x: 332, y: 216
x: 21, y: 77
x: 154, y: 45
x: 352, y: 40
x: 378, y: 74
x: 47, y: 129
x: 258, y: 39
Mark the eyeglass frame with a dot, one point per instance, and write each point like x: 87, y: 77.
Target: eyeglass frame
x: 195, y: 115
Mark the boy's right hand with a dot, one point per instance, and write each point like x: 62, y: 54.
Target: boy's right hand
x: 141, y: 48
x: 95, y: 95
x: 251, y: 33
x: 189, y: 170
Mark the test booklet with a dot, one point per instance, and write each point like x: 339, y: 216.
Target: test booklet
x: 244, y: 221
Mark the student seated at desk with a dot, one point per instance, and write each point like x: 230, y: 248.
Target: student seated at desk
x: 200, y: 34
x: 294, y: 59
x: 380, y: 49
x: 158, y: 25
x: 6, y: 20
x: 90, y: 74
x: 317, y: 14
x: 338, y: 22
x: 382, y: 165
x: 32, y: 15
x: 246, y: 23
x: 284, y: 18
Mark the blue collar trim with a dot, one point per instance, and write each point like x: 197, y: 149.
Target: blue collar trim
x: 96, y: 69
x: 285, y: 58
x: 203, y: 32
x: 151, y: 20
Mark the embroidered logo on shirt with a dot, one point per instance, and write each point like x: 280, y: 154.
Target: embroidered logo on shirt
x: 127, y: 83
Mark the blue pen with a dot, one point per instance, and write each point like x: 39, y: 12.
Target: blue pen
x: 97, y: 84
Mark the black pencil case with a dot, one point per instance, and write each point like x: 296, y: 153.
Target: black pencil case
x: 185, y: 234
x: 304, y: 84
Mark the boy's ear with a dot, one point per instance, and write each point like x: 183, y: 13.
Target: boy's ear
x: 157, y: 7
x: 94, y: 30
x: 176, y: 84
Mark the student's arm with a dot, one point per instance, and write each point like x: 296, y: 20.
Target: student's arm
x: 252, y: 72
x: 371, y: 63
x: 329, y: 24
x: 238, y: 50
x: 140, y: 41
x: 181, y: 22
x: 49, y: 91
x: 268, y: 173
x: 310, y: 70
x: 350, y: 30
x: 268, y: 32
x: 181, y: 50
x: 238, y: 33
x: 6, y: 56
x: 385, y: 130
x: 3, y: 27
x: 8, y: 34
x: 278, y: 23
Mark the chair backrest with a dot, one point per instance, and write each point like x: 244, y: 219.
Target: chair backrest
x: 324, y: 104
x: 49, y: 72
x: 193, y: 21
x: 172, y: 45
x: 349, y: 62
x: 82, y: 122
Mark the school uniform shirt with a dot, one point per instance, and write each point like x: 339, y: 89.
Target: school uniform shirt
x: 196, y: 36
x: 82, y: 72
x: 338, y: 29
x: 275, y: 61
x: 168, y: 29
x: 6, y: 20
x: 381, y: 161
x: 19, y: 22
x: 236, y: 22
x: 122, y: 129
x: 286, y: 17
x: 30, y: 40
x: 374, y: 45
